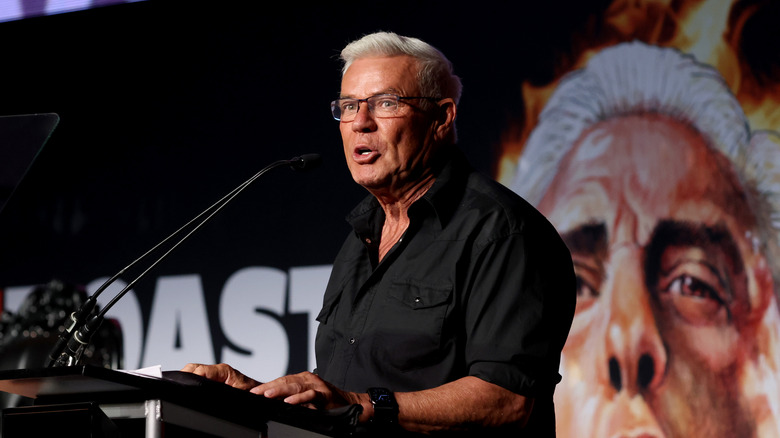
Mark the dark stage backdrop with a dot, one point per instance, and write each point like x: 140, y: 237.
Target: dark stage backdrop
x: 166, y: 106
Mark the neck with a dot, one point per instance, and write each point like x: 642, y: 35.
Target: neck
x: 396, y: 213
x: 396, y: 206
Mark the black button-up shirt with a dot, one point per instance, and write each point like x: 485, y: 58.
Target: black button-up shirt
x: 480, y: 285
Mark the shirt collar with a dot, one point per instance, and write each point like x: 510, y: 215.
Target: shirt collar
x: 441, y: 199
x: 445, y: 194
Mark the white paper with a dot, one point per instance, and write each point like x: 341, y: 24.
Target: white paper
x: 152, y: 371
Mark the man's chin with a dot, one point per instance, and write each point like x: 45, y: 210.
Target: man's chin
x: 370, y: 181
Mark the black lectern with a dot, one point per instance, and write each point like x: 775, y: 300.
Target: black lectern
x: 87, y: 401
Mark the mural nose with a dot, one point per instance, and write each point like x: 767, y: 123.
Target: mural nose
x: 615, y: 378
x: 645, y: 373
x: 636, y: 357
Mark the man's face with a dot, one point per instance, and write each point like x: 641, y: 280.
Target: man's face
x: 386, y: 155
x: 672, y: 285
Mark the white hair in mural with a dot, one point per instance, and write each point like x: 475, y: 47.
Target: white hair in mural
x: 636, y: 78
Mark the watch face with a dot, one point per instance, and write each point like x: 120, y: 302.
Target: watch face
x: 381, y: 397
x: 385, y: 406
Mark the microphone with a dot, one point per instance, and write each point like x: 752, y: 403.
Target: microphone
x: 306, y: 162
x: 71, y: 343
x: 77, y: 319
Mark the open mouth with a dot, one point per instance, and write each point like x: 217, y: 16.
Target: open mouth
x: 365, y: 154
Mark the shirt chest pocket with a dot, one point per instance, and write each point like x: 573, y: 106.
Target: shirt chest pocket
x: 412, y: 324
x: 419, y: 296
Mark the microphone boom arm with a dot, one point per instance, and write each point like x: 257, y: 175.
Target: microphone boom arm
x: 69, y: 349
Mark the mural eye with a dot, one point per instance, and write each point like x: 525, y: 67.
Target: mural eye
x: 587, y: 294
x: 588, y: 276
x: 687, y: 285
x: 695, y: 300
x: 585, y: 291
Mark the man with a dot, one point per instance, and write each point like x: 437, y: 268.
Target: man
x: 453, y: 297
x: 644, y: 162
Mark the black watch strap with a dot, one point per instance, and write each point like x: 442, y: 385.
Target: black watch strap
x: 385, y: 406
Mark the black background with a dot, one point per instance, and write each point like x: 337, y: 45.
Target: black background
x: 167, y: 106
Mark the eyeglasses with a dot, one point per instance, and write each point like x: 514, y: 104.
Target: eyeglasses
x: 380, y: 105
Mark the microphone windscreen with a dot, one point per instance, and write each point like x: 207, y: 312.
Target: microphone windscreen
x: 306, y: 161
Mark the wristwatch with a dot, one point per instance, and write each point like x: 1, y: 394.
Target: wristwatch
x: 385, y: 406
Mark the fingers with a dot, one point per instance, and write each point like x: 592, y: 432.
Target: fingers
x: 222, y: 373
x: 281, y: 387
x: 309, y: 398
x: 218, y: 372
x: 192, y: 367
x: 299, y: 389
x: 303, y: 388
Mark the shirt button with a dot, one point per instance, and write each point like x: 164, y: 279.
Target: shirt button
x: 368, y: 241
x: 418, y: 300
x: 352, y: 341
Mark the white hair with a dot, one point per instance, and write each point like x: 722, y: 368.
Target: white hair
x: 436, y: 77
x: 636, y: 78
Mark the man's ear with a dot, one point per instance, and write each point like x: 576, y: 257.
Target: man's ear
x: 445, y: 119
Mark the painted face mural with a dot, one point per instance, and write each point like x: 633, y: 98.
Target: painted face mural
x: 643, y: 162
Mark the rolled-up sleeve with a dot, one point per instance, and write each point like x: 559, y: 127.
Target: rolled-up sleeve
x: 520, y: 293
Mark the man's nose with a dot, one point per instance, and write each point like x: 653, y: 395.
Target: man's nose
x: 364, y: 119
x: 635, y: 354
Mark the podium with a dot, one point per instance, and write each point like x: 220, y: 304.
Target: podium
x: 88, y: 401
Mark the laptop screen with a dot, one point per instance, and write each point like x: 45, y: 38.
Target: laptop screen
x: 21, y: 139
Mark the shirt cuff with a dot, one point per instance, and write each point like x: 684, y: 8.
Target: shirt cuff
x: 512, y: 378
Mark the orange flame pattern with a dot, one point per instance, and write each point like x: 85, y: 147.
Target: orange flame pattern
x: 739, y: 38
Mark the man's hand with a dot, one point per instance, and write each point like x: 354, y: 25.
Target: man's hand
x: 222, y: 373
x: 310, y: 390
